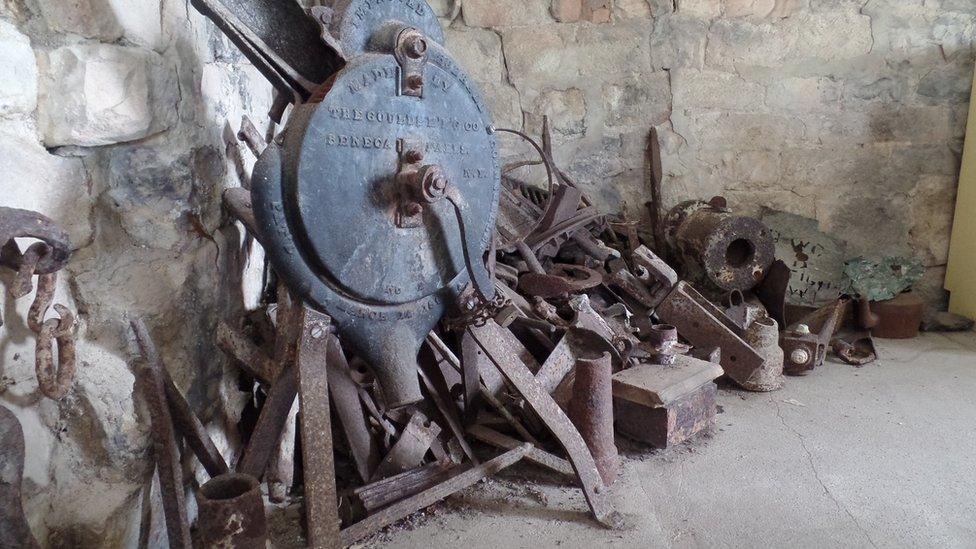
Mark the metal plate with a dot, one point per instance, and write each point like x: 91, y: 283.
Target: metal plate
x: 15, y: 533
x: 345, y: 180
x: 324, y: 203
x: 340, y: 192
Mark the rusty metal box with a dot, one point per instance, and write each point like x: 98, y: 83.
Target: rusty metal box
x: 669, y: 425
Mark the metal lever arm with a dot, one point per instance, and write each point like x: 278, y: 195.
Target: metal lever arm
x: 297, y: 61
x: 480, y: 279
x: 430, y: 184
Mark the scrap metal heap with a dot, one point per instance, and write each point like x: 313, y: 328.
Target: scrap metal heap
x: 435, y: 318
x: 430, y: 319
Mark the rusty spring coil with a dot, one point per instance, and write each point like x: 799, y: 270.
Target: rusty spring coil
x: 54, y: 384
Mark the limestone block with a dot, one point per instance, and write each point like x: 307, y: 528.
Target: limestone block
x: 442, y: 8
x: 657, y: 8
x: 640, y: 101
x: 749, y: 8
x: 504, y: 13
x: 505, y: 107
x: 748, y: 131
x: 901, y: 28
x: 18, y: 88
x: 735, y: 42
x: 716, y: 91
x: 37, y: 180
x: 679, y: 41
x: 832, y: 36
x: 921, y: 124
x: 479, y: 52
x: 138, y: 21
x: 796, y: 94
x: 101, y: 94
x: 932, y: 220
x: 561, y: 56
x: 755, y: 169
x: 150, y: 192
x: 567, y: 11
x: 706, y: 9
x: 786, y: 8
x: 597, y: 11
x: 869, y: 224
x: 956, y: 33
x: 949, y: 84
x: 566, y: 110
x: 828, y: 36
x: 626, y: 9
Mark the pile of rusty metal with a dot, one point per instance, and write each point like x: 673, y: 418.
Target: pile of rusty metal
x: 429, y: 318
x: 593, y: 335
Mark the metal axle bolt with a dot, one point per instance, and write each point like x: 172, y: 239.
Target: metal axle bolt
x: 415, y: 46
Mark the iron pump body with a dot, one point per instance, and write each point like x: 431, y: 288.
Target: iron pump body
x: 378, y: 200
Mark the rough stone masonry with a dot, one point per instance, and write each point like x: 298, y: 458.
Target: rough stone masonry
x: 117, y: 118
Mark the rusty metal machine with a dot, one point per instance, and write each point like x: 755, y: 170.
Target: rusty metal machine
x: 377, y: 202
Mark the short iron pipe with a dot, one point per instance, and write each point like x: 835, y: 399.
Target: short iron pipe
x: 591, y: 410
x: 232, y: 513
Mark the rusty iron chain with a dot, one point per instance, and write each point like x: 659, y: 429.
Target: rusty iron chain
x: 54, y: 383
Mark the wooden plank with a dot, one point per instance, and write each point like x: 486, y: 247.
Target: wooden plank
x: 962, y: 252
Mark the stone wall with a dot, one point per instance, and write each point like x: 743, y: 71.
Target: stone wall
x: 847, y: 112
x: 117, y: 118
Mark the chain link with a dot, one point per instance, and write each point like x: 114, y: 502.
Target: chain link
x: 54, y: 383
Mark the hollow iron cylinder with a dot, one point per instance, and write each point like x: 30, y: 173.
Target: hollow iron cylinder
x: 591, y: 410
x: 232, y: 513
x: 718, y: 250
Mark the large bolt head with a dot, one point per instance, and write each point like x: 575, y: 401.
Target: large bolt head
x: 434, y: 183
x: 415, y: 46
x: 800, y: 357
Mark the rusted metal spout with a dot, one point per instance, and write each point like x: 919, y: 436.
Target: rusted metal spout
x: 763, y: 336
x: 591, y: 410
x: 232, y: 513
x: 866, y: 318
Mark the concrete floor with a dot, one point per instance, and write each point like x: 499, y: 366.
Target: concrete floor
x: 881, y: 456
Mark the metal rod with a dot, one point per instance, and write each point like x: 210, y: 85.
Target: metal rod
x: 321, y: 509
x: 429, y: 497
x: 539, y: 400
x: 189, y: 425
x: 164, y: 441
x: 271, y: 422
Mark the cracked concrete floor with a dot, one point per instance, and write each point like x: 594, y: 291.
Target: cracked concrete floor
x: 880, y: 456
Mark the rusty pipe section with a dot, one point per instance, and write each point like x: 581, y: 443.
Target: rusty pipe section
x: 717, y: 249
x: 763, y: 336
x: 231, y: 513
x: 591, y: 410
